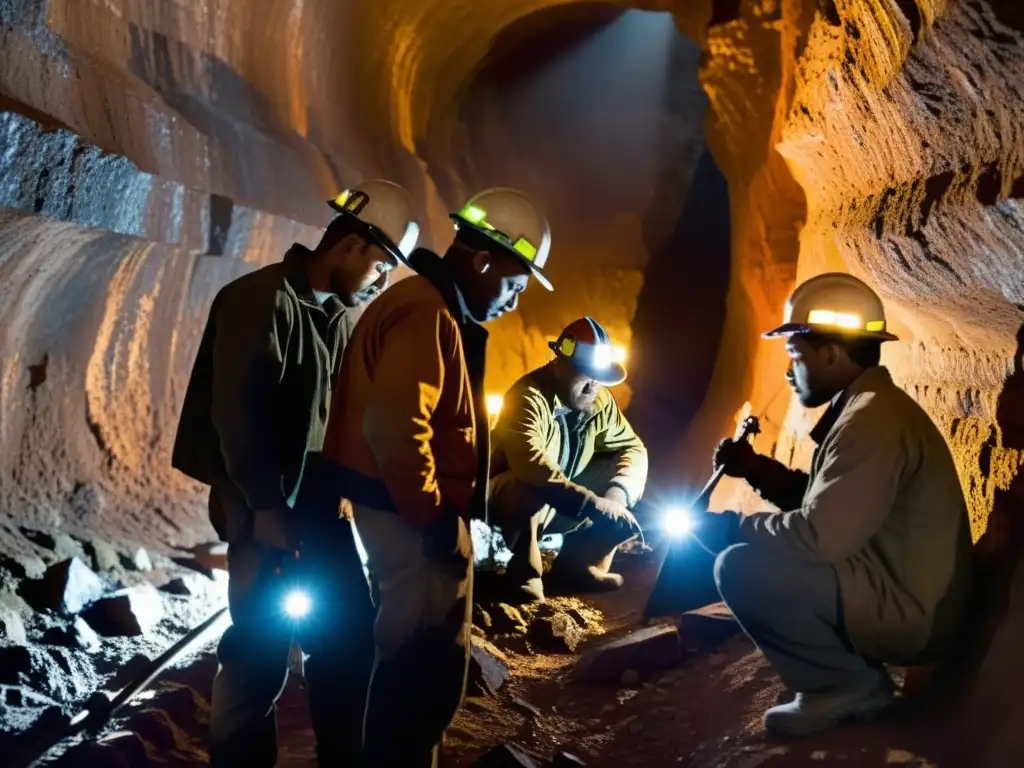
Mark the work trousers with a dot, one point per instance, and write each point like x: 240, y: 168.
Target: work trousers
x: 523, y: 517
x: 337, y: 635
x: 788, y: 606
x: 424, y: 613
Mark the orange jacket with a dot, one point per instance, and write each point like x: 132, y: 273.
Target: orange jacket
x: 402, y: 434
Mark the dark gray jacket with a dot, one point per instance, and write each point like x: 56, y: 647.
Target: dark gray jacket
x: 258, y: 399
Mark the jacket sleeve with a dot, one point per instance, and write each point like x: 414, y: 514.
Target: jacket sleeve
x: 849, y: 500
x: 523, y: 435
x: 778, y: 484
x: 397, y: 422
x: 630, y: 452
x: 248, y: 360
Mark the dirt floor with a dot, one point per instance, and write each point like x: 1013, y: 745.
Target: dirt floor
x: 704, y: 712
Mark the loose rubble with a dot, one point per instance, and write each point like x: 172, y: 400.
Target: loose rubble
x: 79, y: 614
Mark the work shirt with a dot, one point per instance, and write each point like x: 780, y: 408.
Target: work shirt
x: 546, y: 445
x: 883, y: 504
x: 259, y: 395
x: 403, y: 433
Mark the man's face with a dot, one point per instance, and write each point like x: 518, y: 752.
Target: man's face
x: 497, y: 282
x: 810, y: 370
x: 581, y: 393
x: 359, y: 270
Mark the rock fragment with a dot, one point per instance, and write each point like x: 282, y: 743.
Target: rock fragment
x: 67, y: 588
x: 507, y: 756
x: 488, y: 669
x: 129, y: 613
x: 558, y: 632
x: 645, y: 649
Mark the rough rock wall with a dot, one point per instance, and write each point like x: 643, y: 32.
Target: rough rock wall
x: 154, y: 151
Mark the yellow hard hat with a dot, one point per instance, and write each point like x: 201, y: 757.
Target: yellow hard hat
x: 513, y: 221
x: 834, y: 303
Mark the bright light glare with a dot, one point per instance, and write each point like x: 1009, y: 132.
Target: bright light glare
x: 494, y: 403
x: 296, y: 604
x: 677, y: 521
x: 619, y: 354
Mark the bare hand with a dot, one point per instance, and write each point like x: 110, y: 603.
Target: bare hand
x: 738, y: 458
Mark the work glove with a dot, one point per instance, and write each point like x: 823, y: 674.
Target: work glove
x: 276, y: 529
x: 716, y: 531
x: 738, y: 458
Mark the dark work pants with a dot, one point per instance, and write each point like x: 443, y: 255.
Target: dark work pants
x: 422, y: 637
x: 789, y: 607
x: 523, y: 517
x: 337, y: 635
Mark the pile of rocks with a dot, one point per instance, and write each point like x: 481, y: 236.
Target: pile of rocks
x: 79, y: 615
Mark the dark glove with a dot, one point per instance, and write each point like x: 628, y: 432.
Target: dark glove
x: 737, y: 458
x: 441, y: 540
x: 617, y: 512
x: 716, y: 531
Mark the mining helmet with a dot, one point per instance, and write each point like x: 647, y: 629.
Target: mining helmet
x: 513, y: 221
x: 586, y: 345
x: 383, y: 214
x: 834, y: 303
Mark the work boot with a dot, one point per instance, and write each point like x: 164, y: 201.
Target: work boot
x: 812, y: 712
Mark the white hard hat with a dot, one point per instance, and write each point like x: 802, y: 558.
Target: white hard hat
x: 385, y: 211
x: 834, y: 303
x: 514, y: 221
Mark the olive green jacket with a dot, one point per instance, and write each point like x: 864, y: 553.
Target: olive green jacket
x: 531, y: 440
x: 258, y: 398
x: 883, y: 504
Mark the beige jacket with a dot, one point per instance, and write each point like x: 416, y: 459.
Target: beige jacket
x: 884, y: 505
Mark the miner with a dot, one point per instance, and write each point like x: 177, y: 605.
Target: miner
x: 407, y: 446
x: 255, y: 409
x: 867, y: 563
x: 562, y: 449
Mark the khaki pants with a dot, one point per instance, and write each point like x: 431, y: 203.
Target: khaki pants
x: 523, y: 517
x: 253, y: 653
x: 424, y: 613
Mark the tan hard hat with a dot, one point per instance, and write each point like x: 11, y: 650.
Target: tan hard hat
x: 834, y: 303
x: 514, y: 221
x: 385, y: 211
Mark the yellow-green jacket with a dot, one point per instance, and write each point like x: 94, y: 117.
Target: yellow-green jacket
x: 531, y: 441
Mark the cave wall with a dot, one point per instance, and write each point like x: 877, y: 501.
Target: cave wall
x: 152, y: 152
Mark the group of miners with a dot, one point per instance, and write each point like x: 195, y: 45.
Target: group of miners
x: 319, y: 435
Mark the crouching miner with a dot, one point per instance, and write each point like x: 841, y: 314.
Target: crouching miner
x: 868, y: 561
x: 562, y: 447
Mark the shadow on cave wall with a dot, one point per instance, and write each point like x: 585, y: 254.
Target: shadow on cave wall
x: 999, y: 551
x: 681, y: 312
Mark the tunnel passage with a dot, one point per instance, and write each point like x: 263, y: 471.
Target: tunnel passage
x: 597, y: 112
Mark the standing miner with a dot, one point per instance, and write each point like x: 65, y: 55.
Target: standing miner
x: 255, y: 408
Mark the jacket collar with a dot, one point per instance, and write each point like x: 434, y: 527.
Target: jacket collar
x: 295, y: 274
x: 870, y: 380
x: 431, y: 266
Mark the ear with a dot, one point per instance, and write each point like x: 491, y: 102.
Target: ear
x: 832, y: 354
x: 481, y: 262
